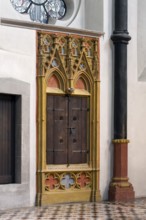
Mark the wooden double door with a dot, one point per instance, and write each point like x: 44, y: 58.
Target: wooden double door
x: 67, y: 129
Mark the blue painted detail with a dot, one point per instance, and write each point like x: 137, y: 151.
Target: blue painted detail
x: 67, y: 181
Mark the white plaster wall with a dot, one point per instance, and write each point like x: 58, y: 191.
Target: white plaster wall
x: 136, y: 109
x: 106, y: 119
x: 141, y: 36
x: 17, y: 61
x: 79, y: 19
x: 94, y: 15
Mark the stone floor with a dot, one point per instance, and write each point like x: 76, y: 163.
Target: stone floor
x: 78, y: 211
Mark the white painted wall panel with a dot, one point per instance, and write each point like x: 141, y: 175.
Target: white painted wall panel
x: 106, y: 120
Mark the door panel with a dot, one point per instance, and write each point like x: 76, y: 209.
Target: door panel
x: 7, y: 139
x: 67, y: 119
x: 49, y: 131
x: 60, y: 125
x: 75, y: 135
x: 56, y: 129
x: 78, y: 138
x: 85, y: 125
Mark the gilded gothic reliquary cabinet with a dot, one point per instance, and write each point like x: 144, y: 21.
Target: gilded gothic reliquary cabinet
x: 68, y: 136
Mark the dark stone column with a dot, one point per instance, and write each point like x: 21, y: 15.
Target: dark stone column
x: 120, y: 189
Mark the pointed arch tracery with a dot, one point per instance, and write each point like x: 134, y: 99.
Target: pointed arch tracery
x: 80, y: 84
x: 53, y: 82
x: 56, y: 79
x: 83, y: 81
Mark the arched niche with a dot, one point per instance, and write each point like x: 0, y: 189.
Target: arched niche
x: 82, y: 84
x: 55, y: 82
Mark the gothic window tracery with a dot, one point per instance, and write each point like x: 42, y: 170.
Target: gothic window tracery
x: 41, y: 10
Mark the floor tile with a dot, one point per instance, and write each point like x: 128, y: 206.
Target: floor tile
x: 81, y: 211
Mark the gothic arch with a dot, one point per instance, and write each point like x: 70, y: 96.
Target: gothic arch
x: 86, y: 78
x: 58, y: 76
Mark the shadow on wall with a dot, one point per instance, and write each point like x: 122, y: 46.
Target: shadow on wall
x: 94, y: 15
x: 109, y: 172
x: 142, y: 76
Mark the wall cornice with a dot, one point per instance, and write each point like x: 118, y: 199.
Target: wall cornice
x: 46, y: 27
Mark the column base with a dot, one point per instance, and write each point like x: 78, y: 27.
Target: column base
x: 120, y: 190
x: 119, y: 193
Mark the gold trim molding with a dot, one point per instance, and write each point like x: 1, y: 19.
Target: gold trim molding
x: 117, y: 179
x: 121, y: 141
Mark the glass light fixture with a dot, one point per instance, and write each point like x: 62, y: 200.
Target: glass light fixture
x: 41, y: 10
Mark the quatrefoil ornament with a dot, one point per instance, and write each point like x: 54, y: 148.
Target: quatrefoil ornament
x: 41, y: 10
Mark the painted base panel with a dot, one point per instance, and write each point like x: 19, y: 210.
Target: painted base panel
x: 64, y: 197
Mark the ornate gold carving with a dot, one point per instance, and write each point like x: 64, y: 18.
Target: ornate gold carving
x: 84, y: 180
x: 68, y: 181
x: 120, y: 141
x: 68, y: 64
x: 120, y: 184
x: 116, y: 179
x: 52, y: 181
x: 67, y: 53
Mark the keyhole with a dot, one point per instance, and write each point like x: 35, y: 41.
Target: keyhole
x: 61, y: 140
x: 74, y: 140
x: 61, y: 118
x: 72, y: 130
x: 74, y: 118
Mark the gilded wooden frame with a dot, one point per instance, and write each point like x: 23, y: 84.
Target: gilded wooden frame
x: 69, y: 57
